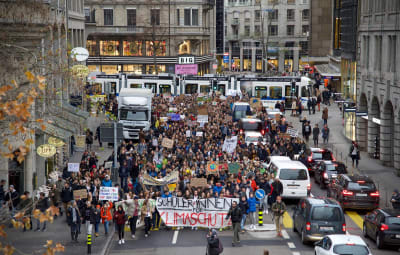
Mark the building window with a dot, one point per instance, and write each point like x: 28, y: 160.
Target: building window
x: 157, y: 46
x: 246, y: 30
x: 273, y: 30
x: 155, y: 17
x: 257, y: 30
x: 273, y: 16
x: 290, y: 30
x: 151, y: 70
x: 108, y: 17
x: 366, y: 52
x: 392, y: 53
x: 132, y: 48
x: 178, y: 17
x: 305, y: 14
x: 290, y: 14
x: 131, y: 16
x: 303, y: 48
x: 305, y: 29
x: 257, y: 15
x: 291, y: 1
x: 273, y: 2
x: 191, y: 17
x: 378, y: 53
x: 91, y: 47
x: 87, y: 14
x: 109, y: 48
x: 380, y: 5
x: 195, y: 17
x: 136, y: 69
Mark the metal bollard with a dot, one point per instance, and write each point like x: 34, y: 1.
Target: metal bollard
x: 89, y: 244
x: 260, y: 216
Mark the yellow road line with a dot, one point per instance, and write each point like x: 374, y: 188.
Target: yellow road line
x: 287, y: 220
x: 356, y: 218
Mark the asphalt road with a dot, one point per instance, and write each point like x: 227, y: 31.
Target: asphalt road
x: 193, y: 242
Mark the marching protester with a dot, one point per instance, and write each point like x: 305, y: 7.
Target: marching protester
x: 214, y: 246
x: 354, y: 153
x: 146, y: 215
x: 42, y: 205
x: 395, y: 200
x: 279, y: 208
x: 120, y: 218
x: 74, y: 220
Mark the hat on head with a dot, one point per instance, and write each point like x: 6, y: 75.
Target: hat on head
x: 136, y: 197
x: 11, y: 186
x: 107, y: 175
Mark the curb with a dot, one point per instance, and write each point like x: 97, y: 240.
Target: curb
x: 107, y: 245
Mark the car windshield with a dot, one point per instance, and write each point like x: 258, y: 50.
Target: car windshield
x: 133, y: 115
x: 239, y: 114
x: 322, y: 213
x: 366, y: 186
x: 251, y: 125
x: 293, y: 174
x: 345, y: 249
x: 325, y: 155
x: 393, y: 220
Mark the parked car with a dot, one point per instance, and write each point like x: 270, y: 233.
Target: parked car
x: 354, y: 191
x: 327, y: 170
x: 342, y: 244
x: 316, y: 155
x: 314, y: 218
x: 383, y: 226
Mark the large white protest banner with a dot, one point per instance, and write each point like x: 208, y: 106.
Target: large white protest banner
x: 108, y: 193
x: 207, y: 213
x: 230, y: 144
x: 171, y: 178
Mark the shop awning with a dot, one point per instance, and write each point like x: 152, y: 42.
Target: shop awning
x: 328, y: 70
x: 56, y: 131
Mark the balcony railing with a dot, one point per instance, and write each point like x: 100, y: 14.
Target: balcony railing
x: 119, y: 29
x: 91, y: 18
x: 235, y: 22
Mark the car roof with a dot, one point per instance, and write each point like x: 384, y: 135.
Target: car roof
x: 389, y: 212
x: 313, y: 149
x: 343, y: 239
x: 357, y: 177
x: 322, y: 201
x: 252, y: 133
x: 289, y: 164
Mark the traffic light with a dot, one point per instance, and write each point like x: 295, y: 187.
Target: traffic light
x: 293, y: 86
x: 214, y: 85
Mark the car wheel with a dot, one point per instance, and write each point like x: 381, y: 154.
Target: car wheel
x: 379, y: 242
x: 365, y: 231
x: 303, y: 237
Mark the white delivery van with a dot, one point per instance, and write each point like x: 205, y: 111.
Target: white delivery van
x: 294, y: 178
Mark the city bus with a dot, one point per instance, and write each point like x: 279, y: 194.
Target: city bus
x: 162, y: 84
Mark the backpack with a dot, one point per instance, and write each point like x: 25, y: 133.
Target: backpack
x: 307, y: 129
x: 220, y: 247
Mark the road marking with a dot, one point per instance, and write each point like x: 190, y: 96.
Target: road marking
x: 285, y: 234
x: 356, y: 218
x: 291, y: 245
x: 296, y: 253
x: 311, y: 195
x: 175, y: 238
x: 287, y: 220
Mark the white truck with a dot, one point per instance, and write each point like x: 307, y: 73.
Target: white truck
x: 134, y: 111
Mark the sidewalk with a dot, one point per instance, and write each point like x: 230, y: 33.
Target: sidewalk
x: 59, y: 231
x: 385, y: 177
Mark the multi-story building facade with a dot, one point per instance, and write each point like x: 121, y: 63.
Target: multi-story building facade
x: 147, y: 36
x: 378, y: 75
x: 273, y: 30
x: 76, y: 23
x: 34, y: 39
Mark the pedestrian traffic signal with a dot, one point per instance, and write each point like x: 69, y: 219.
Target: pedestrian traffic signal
x: 293, y: 86
x: 214, y: 85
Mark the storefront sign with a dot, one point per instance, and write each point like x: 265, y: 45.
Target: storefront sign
x: 186, y: 60
x: 46, y: 150
x: 361, y: 114
x: 377, y: 121
x: 186, y: 69
x: 226, y: 57
x: 56, y: 142
x: 80, y: 141
x: 207, y: 213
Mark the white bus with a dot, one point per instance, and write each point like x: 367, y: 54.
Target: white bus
x: 272, y: 89
x: 162, y: 84
x: 109, y: 85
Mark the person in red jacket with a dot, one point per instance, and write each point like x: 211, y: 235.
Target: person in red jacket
x: 119, y: 218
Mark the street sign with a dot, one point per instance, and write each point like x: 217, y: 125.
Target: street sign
x: 226, y: 57
x: 361, y: 113
x: 233, y: 61
x: 107, y: 132
x: 260, y: 194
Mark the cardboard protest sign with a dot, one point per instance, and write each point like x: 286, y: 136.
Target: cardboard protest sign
x: 171, y: 187
x: 73, y: 167
x: 202, y: 110
x: 167, y: 143
x: 202, y: 118
x: 170, y: 178
x: 80, y: 194
x: 198, y: 182
x: 292, y: 132
x: 284, y: 136
x: 233, y: 168
x: 80, y: 141
x: 199, y: 133
x: 175, y: 117
x: 230, y: 144
x: 108, y: 165
x: 212, y: 167
x: 223, y: 166
x: 108, y: 193
x: 207, y: 213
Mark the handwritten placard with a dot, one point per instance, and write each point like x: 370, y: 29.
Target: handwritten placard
x: 80, y: 194
x: 108, y: 193
x: 73, y: 167
x: 198, y: 182
x: 167, y: 143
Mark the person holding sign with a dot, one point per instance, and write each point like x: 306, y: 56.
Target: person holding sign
x: 236, y: 216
